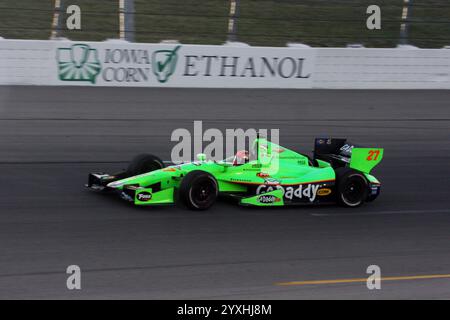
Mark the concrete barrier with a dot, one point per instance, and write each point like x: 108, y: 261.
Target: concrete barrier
x: 119, y: 63
x: 382, y: 68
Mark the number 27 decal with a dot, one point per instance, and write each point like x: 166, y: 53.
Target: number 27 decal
x: 373, y: 155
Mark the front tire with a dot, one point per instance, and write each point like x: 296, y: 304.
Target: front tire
x: 352, y: 187
x: 144, y: 163
x: 198, y: 190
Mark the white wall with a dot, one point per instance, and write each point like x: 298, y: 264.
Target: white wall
x: 382, y: 68
x: 25, y: 62
x: 116, y: 63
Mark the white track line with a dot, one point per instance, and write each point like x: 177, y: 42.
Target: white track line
x: 369, y: 213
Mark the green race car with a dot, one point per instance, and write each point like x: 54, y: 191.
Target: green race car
x: 338, y: 172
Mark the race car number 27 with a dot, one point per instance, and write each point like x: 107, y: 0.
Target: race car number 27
x: 373, y: 155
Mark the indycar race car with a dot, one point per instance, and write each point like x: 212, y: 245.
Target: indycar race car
x: 338, y: 172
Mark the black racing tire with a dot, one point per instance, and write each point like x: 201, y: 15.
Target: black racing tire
x: 144, y: 163
x: 198, y: 190
x: 352, y: 187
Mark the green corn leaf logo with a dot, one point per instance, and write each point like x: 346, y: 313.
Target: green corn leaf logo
x: 78, y: 63
x: 164, y: 63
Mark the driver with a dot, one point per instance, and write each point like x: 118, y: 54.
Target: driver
x: 241, y: 157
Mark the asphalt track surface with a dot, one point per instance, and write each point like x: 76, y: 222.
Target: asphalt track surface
x: 51, y: 137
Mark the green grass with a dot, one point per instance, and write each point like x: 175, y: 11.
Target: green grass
x: 261, y: 22
x: 185, y: 20
x: 25, y: 19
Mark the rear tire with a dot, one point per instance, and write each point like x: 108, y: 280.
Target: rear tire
x: 198, y: 190
x: 144, y: 163
x: 352, y: 187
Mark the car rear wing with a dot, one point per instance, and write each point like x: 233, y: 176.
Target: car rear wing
x: 340, y: 153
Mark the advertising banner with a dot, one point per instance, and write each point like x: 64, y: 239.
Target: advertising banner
x: 176, y: 65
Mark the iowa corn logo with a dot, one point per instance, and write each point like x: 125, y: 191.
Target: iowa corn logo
x: 164, y: 63
x: 78, y: 63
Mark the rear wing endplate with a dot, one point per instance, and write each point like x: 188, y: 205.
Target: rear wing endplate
x: 365, y: 159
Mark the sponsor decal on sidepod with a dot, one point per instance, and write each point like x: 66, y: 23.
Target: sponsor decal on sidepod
x: 323, y: 192
x: 301, y: 191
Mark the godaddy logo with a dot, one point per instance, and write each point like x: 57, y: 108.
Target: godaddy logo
x: 78, y: 63
x: 164, y: 63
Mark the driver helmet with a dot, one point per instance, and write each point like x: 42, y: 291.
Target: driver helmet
x: 241, y: 157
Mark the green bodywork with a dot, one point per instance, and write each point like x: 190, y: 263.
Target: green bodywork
x: 280, y: 174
